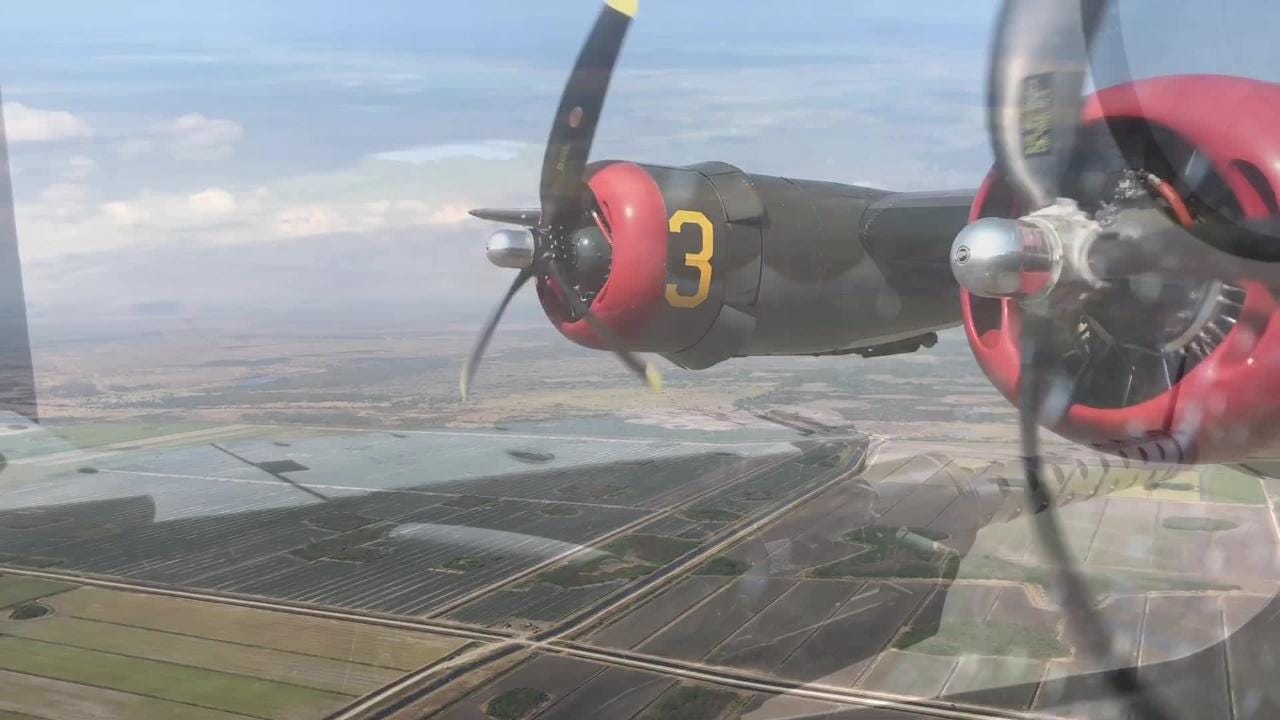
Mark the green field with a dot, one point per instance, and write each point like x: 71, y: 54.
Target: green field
x: 463, y: 564
x: 91, y: 435
x: 306, y: 670
x: 32, y: 697
x: 710, y: 514
x: 345, y: 641
x: 690, y: 702
x: 1197, y: 524
x: 166, y: 681
x: 628, y: 557
x: 16, y: 589
x: 1222, y: 484
x: 722, y: 565
x: 106, y: 653
x: 515, y: 703
x: 892, y: 552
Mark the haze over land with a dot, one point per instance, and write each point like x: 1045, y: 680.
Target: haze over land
x: 409, y: 379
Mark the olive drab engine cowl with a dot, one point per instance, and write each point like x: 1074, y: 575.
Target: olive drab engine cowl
x: 710, y: 263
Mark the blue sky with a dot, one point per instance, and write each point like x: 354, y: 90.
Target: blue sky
x: 267, y: 161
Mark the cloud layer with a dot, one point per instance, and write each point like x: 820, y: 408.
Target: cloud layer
x: 24, y: 124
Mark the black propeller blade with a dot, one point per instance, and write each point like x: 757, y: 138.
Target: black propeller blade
x: 643, y: 370
x: 1040, y: 370
x: 564, y: 193
x: 482, y: 342
x: 1038, y: 71
x: 576, y: 119
x: 528, y: 217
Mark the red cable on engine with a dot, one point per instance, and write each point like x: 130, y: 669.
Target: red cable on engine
x: 1171, y: 196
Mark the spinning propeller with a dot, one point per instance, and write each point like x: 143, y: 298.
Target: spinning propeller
x: 1077, y: 253
x: 1038, y: 70
x: 566, y: 244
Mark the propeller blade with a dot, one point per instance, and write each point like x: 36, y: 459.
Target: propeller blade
x: 575, y: 122
x: 1041, y: 352
x: 525, y: 217
x: 643, y: 370
x: 1038, y: 68
x: 482, y: 343
x: 1143, y: 241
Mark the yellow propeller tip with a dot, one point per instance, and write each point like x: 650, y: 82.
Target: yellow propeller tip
x: 653, y: 377
x: 626, y: 7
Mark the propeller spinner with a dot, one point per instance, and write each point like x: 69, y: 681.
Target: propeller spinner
x: 564, y: 244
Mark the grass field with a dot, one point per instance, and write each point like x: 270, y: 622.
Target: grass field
x: 345, y: 641
x: 1197, y: 524
x: 31, y: 696
x: 690, y: 702
x: 90, y: 435
x: 306, y: 670
x: 710, y: 514
x: 722, y: 565
x: 167, y: 681
x: 627, y: 557
x: 105, y: 653
x: 16, y: 589
x: 1222, y: 484
x: 892, y: 552
x: 515, y: 703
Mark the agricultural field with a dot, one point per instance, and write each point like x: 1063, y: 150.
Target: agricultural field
x: 67, y: 650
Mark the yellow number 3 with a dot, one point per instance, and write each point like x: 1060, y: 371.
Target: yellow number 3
x: 700, y: 261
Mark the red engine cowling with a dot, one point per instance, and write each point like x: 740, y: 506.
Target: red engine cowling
x: 1224, y: 407
x: 632, y: 205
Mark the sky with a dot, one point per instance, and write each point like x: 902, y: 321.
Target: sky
x: 312, y: 163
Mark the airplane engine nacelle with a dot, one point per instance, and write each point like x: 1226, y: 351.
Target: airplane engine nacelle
x: 1162, y: 368
x: 709, y: 263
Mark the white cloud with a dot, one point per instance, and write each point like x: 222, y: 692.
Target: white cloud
x: 64, y: 194
x: 163, y: 213
x: 308, y: 220
x: 483, y: 150
x: 347, y: 217
x: 214, y: 201
x: 28, y: 124
x: 79, y: 167
x: 449, y: 215
x: 373, y: 200
x: 203, y: 138
x: 122, y: 213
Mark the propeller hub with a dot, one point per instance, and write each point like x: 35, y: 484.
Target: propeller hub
x: 1000, y: 258
x: 511, y: 249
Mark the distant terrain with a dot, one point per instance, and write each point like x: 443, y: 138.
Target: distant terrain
x: 410, y: 380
